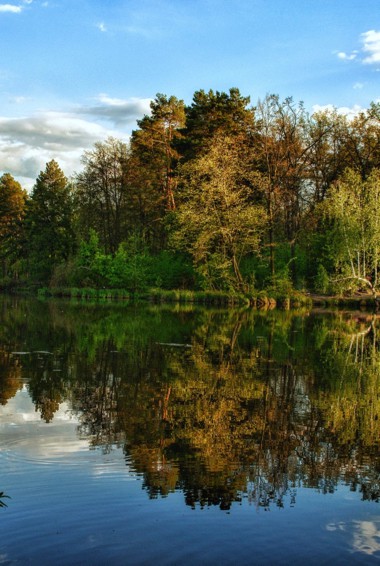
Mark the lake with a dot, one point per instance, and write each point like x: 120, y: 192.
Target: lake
x: 149, y: 434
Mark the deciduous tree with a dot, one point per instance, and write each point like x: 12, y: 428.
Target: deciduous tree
x: 219, y: 225
x: 353, y: 206
x: 12, y: 211
x: 284, y: 148
x: 101, y: 192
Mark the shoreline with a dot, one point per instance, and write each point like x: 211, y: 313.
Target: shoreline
x: 260, y: 301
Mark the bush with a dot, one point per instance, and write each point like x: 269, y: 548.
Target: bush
x: 171, y: 271
x: 321, y: 280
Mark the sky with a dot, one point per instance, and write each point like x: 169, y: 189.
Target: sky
x: 74, y: 72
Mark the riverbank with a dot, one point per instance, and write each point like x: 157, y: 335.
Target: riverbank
x: 263, y: 300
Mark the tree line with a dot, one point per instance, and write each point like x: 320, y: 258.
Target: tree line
x: 217, y: 195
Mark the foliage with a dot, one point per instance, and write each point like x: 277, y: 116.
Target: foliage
x: 12, y: 212
x: 49, y: 223
x: 353, y: 205
x: 128, y: 268
x: 101, y: 191
x: 218, y: 223
x: 169, y: 270
x: 283, y: 148
x: 215, y: 114
x: 322, y: 280
x: 155, y: 157
x: 214, y: 195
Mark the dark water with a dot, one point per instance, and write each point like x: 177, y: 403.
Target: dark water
x: 149, y: 435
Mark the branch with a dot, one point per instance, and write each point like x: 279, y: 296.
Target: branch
x: 357, y: 278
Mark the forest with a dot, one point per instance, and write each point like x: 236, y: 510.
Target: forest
x: 219, y: 195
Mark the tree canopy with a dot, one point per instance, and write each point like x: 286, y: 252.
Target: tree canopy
x: 49, y: 222
x: 217, y: 194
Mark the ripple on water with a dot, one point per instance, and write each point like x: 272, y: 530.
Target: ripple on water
x: 27, y: 442
x: 20, y: 453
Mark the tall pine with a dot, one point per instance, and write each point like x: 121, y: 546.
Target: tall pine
x: 49, y: 223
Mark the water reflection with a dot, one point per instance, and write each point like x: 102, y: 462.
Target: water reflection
x: 366, y: 538
x: 222, y: 406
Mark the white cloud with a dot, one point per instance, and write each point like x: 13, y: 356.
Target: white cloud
x: 108, y: 100
x: 345, y: 57
x: 102, y: 27
x: 358, y: 86
x: 28, y: 143
x: 10, y: 8
x: 371, y: 41
x: 370, y: 51
x: 14, y: 8
x: 342, y: 110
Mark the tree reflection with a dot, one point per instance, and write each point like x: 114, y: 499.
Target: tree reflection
x: 10, y: 376
x: 223, y: 406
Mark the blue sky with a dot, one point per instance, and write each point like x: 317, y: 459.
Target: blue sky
x: 73, y: 72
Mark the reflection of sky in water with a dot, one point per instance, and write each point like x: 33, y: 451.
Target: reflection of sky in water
x: 21, y: 408
x: 366, y: 537
x: 21, y: 426
x: 27, y: 438
x: 72, y: 501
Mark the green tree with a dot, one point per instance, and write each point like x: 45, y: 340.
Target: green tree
x: 49, y: 222
x: 153, y: 145
x: 12, y: 211
x: 282, y: 149
x: 212, y: 113
x: 155, y: 159
x: 353, y: 207
x: 218, y: 224
x: 102, y: 190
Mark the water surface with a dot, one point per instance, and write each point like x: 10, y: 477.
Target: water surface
x: 140, y: 435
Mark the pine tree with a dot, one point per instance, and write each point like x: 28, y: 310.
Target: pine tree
x: 49, y: 223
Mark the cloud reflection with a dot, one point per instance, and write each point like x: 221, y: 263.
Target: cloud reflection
x: 23, y: 432
x: 366, y: 537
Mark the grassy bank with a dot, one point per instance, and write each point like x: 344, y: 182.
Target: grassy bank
x: 216, y: 298
x: 265, y: 300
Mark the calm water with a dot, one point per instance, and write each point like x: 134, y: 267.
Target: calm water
x: 150, y: 435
